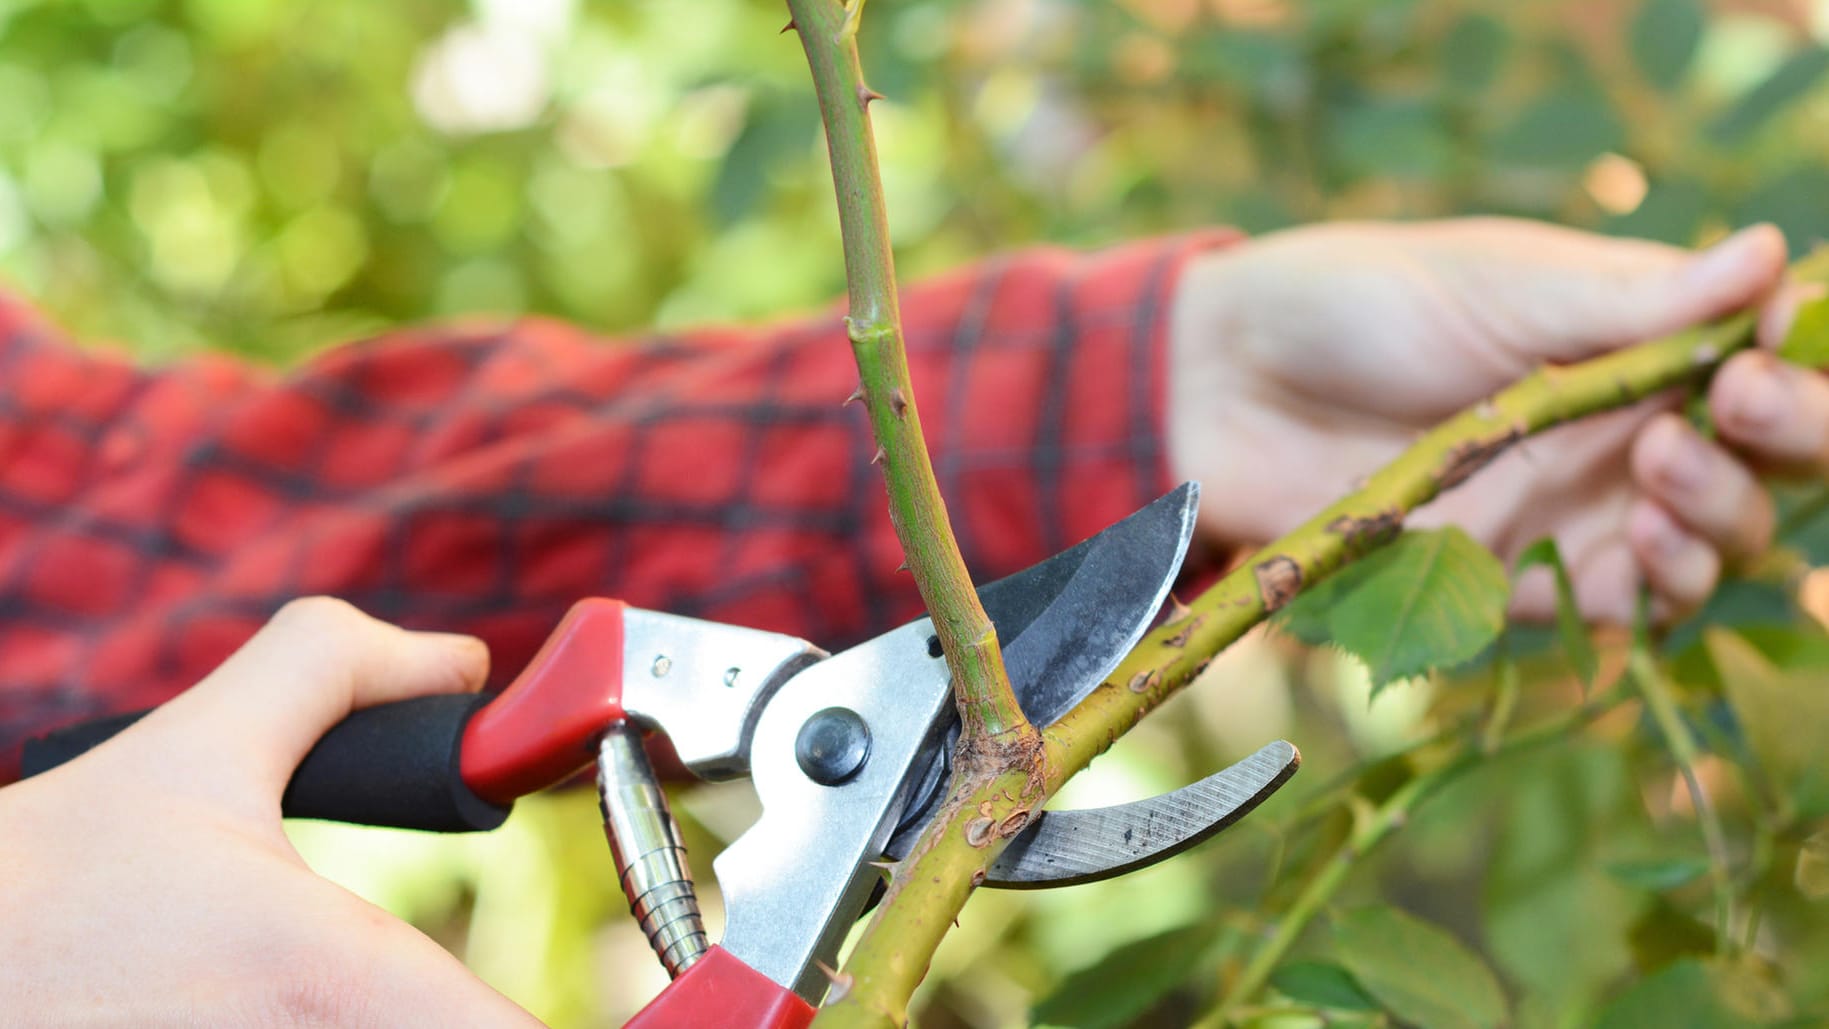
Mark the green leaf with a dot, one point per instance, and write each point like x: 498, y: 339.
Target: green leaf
x: 1792, y: 80
x: 1430, y: 599
x: 1784, y: 716
x: 1564, y: 129
x: 1127, y: 982
x: 1420, y: 972
x: 1807, y: 343
x: 1792, y: 200
x: 1665, y: 934
x: 1401, y: 139
x: 1671, y: 212
x: 1694, y: 994
x: 1473, y: 51
x: 1322, y: 985
x: 1575, y: 640
x: 1665, y: 34
x: 1659, y: 874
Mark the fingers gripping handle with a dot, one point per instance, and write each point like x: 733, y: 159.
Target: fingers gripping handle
x: 449, y: 763
x: 395, y: 764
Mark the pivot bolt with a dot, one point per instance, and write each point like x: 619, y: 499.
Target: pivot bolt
x: 832, y: 746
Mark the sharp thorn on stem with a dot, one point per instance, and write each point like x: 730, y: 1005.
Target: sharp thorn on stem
x: 789, y: 27
x: 903, y: 567
x: 877, y: 458
x: 898, y: 402
x: 856, y: 395
x: 865, y: 94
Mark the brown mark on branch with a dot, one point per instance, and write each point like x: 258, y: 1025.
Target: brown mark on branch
x: 978, y: 832
x: 1279, y: 579
x: 1144, y: 680
x: 1474, y: 455
x: 1013, y: 824
x: 1180, y: 639
x: 1362, y: 532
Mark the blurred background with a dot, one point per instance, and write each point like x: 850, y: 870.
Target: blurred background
x: 266, y: 177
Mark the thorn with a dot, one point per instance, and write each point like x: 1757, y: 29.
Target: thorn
x: 856, y: 395
x: 865, y: 94
x: 898, y: 401
x: 789, y: 27
x: 877, y: 458
x: 1178, y: 610
x: 903, y: 567
x: 841, y: 983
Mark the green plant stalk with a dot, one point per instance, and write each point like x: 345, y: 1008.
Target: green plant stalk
x: 1373, y: 830
x: 981, y: 686
x: 997, y: 777
x: 1661, y: 700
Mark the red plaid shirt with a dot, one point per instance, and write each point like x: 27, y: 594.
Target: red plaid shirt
x: 482, y: 478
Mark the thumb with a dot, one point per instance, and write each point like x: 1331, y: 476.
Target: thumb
x: 254, y: 718
x: 1576, y: 294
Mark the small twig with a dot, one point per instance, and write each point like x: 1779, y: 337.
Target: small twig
x: 1661, y: 700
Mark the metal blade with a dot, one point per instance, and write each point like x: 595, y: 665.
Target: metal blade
x: 1065, y: 848
x: 1067, y: 622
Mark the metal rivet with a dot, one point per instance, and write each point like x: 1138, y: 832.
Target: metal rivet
x: 730, y: 676
x: 662, y: 665
x: 832, y: 746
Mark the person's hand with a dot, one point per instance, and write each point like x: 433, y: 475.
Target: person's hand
x: 148, y: 882
x: 1305, y: 360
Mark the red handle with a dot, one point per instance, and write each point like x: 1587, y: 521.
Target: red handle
x: 540, y: 730
x: 720, y: 990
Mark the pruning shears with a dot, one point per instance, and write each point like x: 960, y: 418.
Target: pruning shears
x: 849, y: 754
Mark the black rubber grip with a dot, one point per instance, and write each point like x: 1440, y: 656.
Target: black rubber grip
x: 394, y: 765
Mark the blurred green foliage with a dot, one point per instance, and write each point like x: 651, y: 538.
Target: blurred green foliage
x: 265, y: 177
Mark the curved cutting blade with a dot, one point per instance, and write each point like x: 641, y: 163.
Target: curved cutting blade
x: 1065, y: 848
x: 1066, y: 623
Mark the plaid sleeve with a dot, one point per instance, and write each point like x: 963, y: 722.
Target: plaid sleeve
x: 482, y: 478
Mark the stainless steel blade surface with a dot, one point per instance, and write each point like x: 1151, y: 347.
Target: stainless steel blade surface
x: 1066, y: 622
x: 1065, y: 848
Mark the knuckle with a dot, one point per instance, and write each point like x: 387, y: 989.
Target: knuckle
x: 318, y: 612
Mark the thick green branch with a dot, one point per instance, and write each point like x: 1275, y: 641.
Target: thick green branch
x: 1171, y: 656
x: 982, y: 687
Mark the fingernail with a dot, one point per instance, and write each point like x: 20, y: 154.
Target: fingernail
x: 1685, y: 467
x: 1762, y: 402
x: 1721, y: 260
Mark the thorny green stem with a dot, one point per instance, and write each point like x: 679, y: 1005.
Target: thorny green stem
x: 1370, y: 831
x: 986, y: 701
x: 1661, y: 700
x: 997, y: 778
